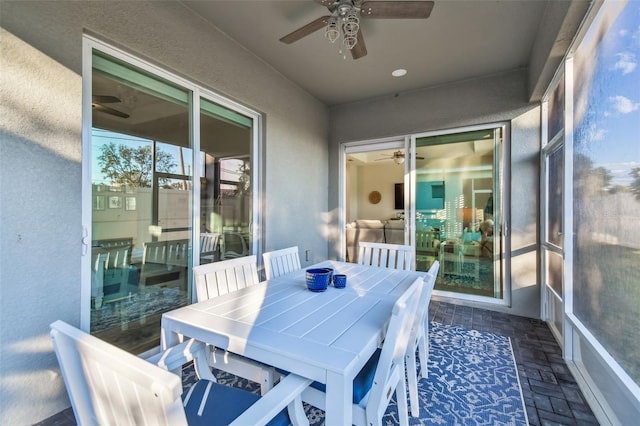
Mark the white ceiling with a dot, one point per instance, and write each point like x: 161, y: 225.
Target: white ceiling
x: 461, y: 39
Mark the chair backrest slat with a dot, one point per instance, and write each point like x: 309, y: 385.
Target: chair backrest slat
x: 393, y: 256
x: 218, y: 278
x: 280, y: 262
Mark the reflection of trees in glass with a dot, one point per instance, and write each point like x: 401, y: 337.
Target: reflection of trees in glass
x: 133, y: 166
x: 590, y: 181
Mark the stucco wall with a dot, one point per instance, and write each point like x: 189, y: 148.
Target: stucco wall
x: 499, y: 98
x: 40, y: 163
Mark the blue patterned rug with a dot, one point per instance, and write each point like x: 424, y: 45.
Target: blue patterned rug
x: 472, y: 380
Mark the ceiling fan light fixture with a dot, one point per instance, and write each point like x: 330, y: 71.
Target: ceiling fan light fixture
x: 351, y: 23
x: 331, y: 32
x: 349, y: 42
x: 398, y: 160
x: 347, y: 22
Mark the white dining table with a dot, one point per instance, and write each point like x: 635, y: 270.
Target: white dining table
x: 326, y: 336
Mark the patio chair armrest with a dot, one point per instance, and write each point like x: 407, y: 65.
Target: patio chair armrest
x: 269, y: 405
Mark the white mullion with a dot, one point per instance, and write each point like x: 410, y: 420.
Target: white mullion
x: 87, y: 191
x: 567, y: 219
x: 409, y: 196
x: 195, y: 187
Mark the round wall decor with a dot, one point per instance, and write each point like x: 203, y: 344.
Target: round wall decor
x: 374, y: 197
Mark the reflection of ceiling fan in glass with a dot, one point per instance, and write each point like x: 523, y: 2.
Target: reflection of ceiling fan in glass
x: 397, y: 157
x: 98, y: 103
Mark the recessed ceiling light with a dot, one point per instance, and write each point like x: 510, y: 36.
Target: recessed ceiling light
x: 399, y: 72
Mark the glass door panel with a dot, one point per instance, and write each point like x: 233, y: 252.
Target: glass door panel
x: 225, y: 183
x: 141, y: 219
x: 456, y: 210
x: 375, y: 176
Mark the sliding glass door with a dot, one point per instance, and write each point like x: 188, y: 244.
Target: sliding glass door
x: 150, y: 137
x: 439, y: 192
x: 141, y: 179
x: 456, y: 213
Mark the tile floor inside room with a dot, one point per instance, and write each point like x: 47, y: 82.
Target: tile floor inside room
x: 551, y: 394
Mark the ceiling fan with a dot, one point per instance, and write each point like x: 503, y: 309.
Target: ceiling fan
x: 98, y: 101
x: 397, y: 157
x: 345, y: 18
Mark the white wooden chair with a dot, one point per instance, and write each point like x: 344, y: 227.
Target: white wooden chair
x: 218, y: 278
x: 98, y: 259
x: 171, y: 252
x: 108, y: 386
x: 233, y: 245
x: 114, y: 242
x: 280, y: 262
x: 165, y: 263
x: 384, y: 373
x: 427, y: 247
x: 208, y: 247
x: 419, y: 341
x: 110, y: 274
x: 393, y: 256
x: 215, y: 279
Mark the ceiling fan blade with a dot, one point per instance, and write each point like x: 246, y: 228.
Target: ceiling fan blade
x: 305, y: 30
x: 105, y: 99
x: 396, y: 9
x: 360, y: 49
x: 108, y: 110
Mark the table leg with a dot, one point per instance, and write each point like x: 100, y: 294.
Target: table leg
x: 339, y: 400
x: 167, y: 337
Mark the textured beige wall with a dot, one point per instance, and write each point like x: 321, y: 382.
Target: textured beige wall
x: 40, y: 163
x: 479, y: 101
x: 40, y: 226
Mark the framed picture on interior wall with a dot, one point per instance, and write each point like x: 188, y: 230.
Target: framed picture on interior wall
x: 130, y: 203
x: 98, y: 202
x: 115, y: 202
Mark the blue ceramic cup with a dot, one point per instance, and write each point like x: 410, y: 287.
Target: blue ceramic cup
x: 339, y: 281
